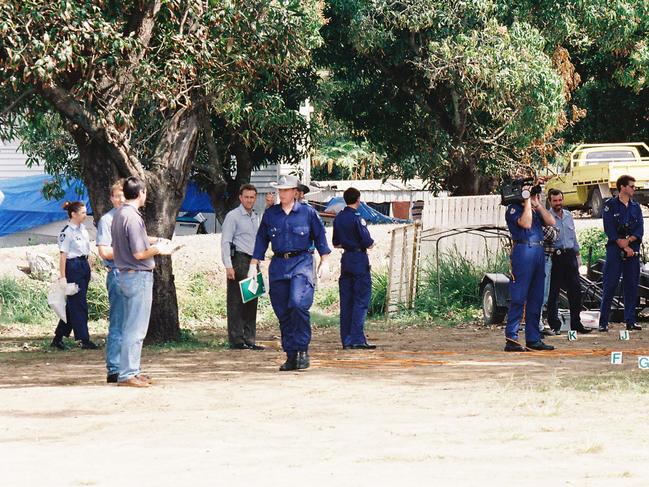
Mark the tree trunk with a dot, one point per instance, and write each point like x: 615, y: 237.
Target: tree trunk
x: 465, y: 180
x: 225, y: 194
x: 98, y: 172
x: 167, y: 184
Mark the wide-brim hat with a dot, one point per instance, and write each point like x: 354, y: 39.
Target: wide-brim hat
x: 286, y: 182
x: 303, y: 188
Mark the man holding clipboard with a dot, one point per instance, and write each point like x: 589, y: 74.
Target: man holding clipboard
x: 237, y: 242
x: 291, y: 228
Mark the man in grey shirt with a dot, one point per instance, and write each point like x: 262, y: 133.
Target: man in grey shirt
x: 238, y: 235
x: 133, y: 256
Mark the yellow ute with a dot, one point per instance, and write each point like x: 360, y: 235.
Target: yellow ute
x: 590, y: 175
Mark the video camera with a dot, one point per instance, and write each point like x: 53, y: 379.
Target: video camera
x: 512, y: 191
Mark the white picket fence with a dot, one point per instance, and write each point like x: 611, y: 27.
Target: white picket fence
x: 460, y: 212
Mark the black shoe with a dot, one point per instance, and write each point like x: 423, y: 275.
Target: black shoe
x: 539, y: 346
x: 583, y: 330
x: 59, y: 344
x: 88, y: 345
x: 513, y: 347
x: 112, y: 378
x: 302, y: 361
x: 633, y: 326
x: 363, y: 346
x: 239, y: 346
x: 603, y: 329
x: 290, y: 364
x: 255, y: 347
x: 550, y: 332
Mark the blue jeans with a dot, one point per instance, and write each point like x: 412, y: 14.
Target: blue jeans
x: 115, y: 321
x: 137, y: 293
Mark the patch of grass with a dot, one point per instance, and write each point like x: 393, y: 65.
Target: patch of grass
x: 379, y: 292
x: 450, y: 295
x: 190, y: 340
x: 202, y: 298
x: 23, y: 301
x: 636, y: 382
x: 97, y: 297
x: 326, y: 297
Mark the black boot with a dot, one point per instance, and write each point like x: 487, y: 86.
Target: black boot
x: 302, y: 360
x: 88, y: 345
x: 290, y: 364
x: 58, y: 343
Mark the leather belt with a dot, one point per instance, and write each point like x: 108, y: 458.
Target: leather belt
x: 287, y: 255
x: 81, y: 257
x: 529, y: 242
x: 563, y: 251
x: 356, y: 250
x: 135, y: 270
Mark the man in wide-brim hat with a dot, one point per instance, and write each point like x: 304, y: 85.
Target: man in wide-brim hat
x: 291, y: 228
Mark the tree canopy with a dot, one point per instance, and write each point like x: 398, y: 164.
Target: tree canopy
x: 137, y: 85
x: 460, y: 91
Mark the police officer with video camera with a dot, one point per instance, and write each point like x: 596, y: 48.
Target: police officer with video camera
x: 624, y: 227
x: 525, y: 218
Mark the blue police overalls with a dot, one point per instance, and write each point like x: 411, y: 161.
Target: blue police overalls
x: 355, y: 282
x: 621, y: 221
x: 528, y: 275
x: 290, y: 273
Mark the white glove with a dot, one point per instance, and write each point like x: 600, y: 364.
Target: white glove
x: 323, y: 270
x: 252, y: 271
x: 163, y: 241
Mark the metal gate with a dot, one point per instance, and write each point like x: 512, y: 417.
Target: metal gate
x: 402, y: 273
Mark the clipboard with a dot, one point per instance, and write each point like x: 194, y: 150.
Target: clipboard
x: 244, y: 288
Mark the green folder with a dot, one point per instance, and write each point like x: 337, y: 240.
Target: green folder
x: 246, y: 293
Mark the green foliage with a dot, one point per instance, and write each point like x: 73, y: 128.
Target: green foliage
x: 442, y: 87
x: 98, y: 306
x: 595, y: 239
x: 379, y: 293
x: 202, y: 299
x: 23, y: 301
x: 459, y: 280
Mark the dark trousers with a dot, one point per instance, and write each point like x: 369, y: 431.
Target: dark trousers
x: 355, y: 292
x: 242, y: 318
x: 565, y: 275
x: 526, y: 291
x: 630, y: 270
x: 76, y: 307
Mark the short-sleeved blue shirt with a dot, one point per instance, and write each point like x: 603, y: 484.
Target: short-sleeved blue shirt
x: 104, y: 237
x: 534, y: 234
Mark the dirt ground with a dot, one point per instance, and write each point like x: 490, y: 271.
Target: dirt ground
x: 435, y: 406
x: 431, y: 406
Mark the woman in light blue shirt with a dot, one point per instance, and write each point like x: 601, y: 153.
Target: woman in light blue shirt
x: 74, y: 247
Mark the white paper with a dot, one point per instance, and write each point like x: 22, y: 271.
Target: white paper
x: 253, y: 286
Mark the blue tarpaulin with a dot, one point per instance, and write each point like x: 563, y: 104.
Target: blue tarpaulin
x: 369, y: 214
x: 25, y: 207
